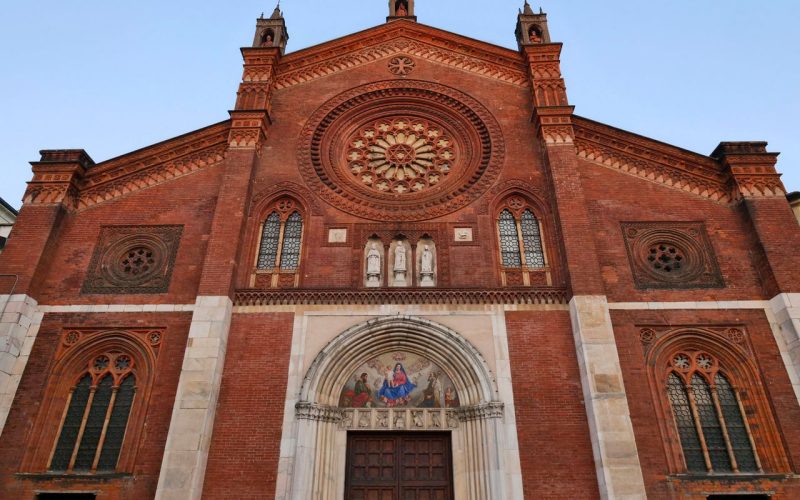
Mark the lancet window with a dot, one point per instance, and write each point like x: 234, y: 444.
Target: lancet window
x: 520, y: 240
x: 280, y: 243
x: 96, y: 416
x: 710, y: 419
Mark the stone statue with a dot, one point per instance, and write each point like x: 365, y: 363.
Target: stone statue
x: 373, y: 266
x: 400, y: 265
x: 426, y: 267
x: 400, y: 257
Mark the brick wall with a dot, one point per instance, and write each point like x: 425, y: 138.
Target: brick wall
x: 554, y: 443
x: 36, y: 381
x: 245, y: 446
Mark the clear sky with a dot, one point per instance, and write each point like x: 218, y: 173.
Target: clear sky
x: 111, y: 77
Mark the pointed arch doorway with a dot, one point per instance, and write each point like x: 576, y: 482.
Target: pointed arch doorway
x: 334, y: 421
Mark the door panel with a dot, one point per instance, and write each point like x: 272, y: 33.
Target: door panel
x: 398, y: 466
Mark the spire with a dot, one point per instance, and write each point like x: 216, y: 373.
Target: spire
x: 401, y: 9
x: 531, y: 27
x: 271, y: 32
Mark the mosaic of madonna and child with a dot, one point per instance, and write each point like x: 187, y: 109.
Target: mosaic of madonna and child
x: 399, y: 380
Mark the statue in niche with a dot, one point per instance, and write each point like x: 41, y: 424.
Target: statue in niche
x: 401, y: 9
x: 373, y: 266
x: 426, y: 267
x: 400, y: 266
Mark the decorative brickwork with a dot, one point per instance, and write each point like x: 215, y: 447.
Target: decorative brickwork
x: 330, y: 127
x: 671, y: 255
x: 133, y: 259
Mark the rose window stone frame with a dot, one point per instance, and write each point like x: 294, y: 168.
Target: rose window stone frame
x: 477, y: 149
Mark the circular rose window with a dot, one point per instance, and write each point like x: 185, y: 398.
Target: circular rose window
x: 401, y: 155
x: 401, y: 150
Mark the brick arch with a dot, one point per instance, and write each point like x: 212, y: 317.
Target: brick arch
x: 72, y: 363
x: 740, y: 369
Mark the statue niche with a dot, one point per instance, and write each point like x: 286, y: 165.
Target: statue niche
x: 401, y: 8
x: 426, y: 262
x: 373, y: 263
x: 400, y: 268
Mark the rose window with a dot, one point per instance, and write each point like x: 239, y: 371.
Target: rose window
x: 401, y: 156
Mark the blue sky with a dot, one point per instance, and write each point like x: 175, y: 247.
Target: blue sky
x: 111, y: 77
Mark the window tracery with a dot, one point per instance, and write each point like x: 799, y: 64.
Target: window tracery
x: 709, y: 416
x: 96, y: 416
x: 280, y: 244
x: 520, y: 241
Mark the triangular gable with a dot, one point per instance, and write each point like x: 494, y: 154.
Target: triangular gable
x: 402, y: 37
x: 651, y: 160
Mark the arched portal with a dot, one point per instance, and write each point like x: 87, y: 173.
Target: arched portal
x: 476, y: 424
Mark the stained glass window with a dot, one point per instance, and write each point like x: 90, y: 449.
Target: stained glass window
x: 532, y: 240
x: 737, y: 430
x: 72, y: 425
x: 681, y: 409
x: 292, y: 234
x: 509, y: 240
x: 709, y: 419
x: 269, y: 242
x: 103, y: 426
x: 117, y: 424
x: 712, y: 429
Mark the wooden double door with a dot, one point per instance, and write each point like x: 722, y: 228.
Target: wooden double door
x: 399, y: 466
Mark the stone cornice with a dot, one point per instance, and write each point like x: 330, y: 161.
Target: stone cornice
x: 153, y: 165
x: 484, y: 411
x: 409, y: 38
x: 401, y: 296
x: 651, y: 160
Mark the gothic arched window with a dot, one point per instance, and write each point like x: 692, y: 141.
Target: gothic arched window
x: 278, y: 259
x: 709, y: 416
x: 96, y: 416
x: 520, y: 237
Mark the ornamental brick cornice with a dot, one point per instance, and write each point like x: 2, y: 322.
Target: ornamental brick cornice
x: 451, y: 296
x: 401, y: 37
x: 651, y: 160
x: 153, y: 165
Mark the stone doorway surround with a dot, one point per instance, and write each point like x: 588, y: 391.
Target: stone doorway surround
x: 483, y: 430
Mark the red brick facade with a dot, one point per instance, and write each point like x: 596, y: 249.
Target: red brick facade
x: 517, y: 146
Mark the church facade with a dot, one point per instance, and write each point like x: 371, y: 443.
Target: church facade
x: 403, y: 268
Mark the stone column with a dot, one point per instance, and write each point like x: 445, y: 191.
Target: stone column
x: 19, y: 325
x: 186, y: 454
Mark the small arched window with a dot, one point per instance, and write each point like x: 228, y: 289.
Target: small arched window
x: 278, y: 259
x: 521, y: 248
x: 709, y: 416
x: 280, y: 243
x: 96, y: 416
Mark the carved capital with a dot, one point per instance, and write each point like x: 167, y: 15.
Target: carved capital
x: 483, y: 411
x: 319, y: 413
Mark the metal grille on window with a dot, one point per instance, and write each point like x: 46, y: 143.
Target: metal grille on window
x: 117, y: 425
x: 292, y: 234
x: 709, y: 421
x: 532, y: 240
x: 737, y: 430
x: 509, y: 240
x: 72, y: 425
x: 690, y: 441
x: 269, y: 242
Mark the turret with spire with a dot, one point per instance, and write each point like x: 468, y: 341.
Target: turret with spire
x: 531, y: 27
x: 272, y: 32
